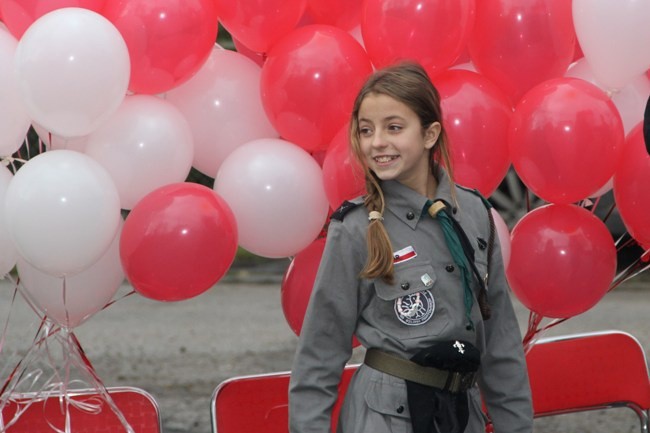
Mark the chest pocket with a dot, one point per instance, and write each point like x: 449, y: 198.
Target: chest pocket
x: 414, y: 305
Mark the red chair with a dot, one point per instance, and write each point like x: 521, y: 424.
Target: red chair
x: 572, y: 373
x: 589, y: 371
x: 259, y: 403
x: 138, y: 407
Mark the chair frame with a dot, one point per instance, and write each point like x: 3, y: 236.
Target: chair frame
x: 639, y: 404
x: 42, y: 397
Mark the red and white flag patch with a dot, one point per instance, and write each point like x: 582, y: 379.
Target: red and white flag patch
x: 404, y: 255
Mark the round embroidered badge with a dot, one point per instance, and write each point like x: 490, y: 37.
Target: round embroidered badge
x: 415, y: 309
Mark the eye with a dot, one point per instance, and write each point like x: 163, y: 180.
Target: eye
x: 395, y: 127
x: 365, y: 131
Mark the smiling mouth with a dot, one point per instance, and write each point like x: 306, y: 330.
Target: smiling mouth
x: 384, y: 159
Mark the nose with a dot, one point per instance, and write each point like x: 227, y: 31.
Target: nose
x: 377, y: 140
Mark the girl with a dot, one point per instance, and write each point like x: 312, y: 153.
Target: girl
x: 405, y: 270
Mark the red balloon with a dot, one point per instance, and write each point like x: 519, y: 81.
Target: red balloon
x: 518, y: 44
x: 631, y: 187
x: 259, y: 24
x: 562, y: 260
x: 178, y: 241
x: 309, y: 83
x: 258, y: 58
x: 343, y: 177
x: 344, y: 14
x: 20, y: 14
x: 168, y: 40
x: 476, y: 116
x: 565, y: 139
x: 434, y: 33
x: 297, y: 285
x: 298, y: 282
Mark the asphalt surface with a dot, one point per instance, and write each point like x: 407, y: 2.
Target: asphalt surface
x: 179, y: 352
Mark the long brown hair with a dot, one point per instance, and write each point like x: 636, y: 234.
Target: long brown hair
x: 408, y: 83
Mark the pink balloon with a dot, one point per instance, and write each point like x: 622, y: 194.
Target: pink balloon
x: 73, y: 300
x: 259, y: 24
x: 275, y: 190
x: 631, y: 191
x: 309, y: 83
x: 18, y: 15
x: 146, y: 144
x: 613, y: 36
x: 476, y: 117
x: 503, y: 233
x: 565, y: 139
x: 223, y: 107
x: 434, y: 33
x: 519, y: 44
x: 168, y: 40
x: 342, y: 176
x: 562, y: 261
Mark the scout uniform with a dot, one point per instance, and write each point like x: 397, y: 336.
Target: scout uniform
x: 426, y: 304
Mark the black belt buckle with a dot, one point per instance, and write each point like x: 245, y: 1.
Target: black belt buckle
x: 458, y: 382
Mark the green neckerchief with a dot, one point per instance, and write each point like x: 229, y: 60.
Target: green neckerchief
x: 456, y: 249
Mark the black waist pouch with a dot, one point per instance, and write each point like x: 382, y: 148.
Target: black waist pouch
x: 435, y: 410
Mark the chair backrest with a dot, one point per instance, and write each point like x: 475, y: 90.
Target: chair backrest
x: 138, y: 407
x: 588, y: 371
x: 259, y: 403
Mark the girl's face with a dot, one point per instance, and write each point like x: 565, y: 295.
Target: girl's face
x: 393, y: 142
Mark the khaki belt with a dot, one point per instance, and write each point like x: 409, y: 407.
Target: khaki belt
x: 451, y: 381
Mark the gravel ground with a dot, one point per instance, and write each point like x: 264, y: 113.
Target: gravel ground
x: 180, y: 351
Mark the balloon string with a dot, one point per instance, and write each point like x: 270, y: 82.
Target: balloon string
x: 5, y: 328
x: 65, y: 303
x: 638, y: 266
x: 56, y: 388
x: 118, y: 299
x: 535, y: 332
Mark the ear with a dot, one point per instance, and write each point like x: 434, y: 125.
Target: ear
x: 431, y: 135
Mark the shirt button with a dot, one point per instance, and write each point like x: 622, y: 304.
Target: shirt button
x: 405, y: 286
x: 449, y: 268
x: 410, y: 216
x: 400, y: 409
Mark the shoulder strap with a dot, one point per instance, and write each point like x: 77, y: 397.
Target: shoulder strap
x: 482, y: 297
x: 346, y: 207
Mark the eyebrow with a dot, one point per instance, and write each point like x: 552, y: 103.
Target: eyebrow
x: 385, y: 119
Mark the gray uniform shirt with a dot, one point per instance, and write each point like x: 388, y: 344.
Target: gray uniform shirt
x: 425, y: 304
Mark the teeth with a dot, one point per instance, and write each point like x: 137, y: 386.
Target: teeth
x: 384, y: 158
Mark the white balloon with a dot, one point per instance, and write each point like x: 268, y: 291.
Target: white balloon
x: 72, y: 67
x: 55, y: 142
x: 614, y: 35
x: 275, y: 189
x: 8, y: 254
x: 146, y: 144
x: 14, y: 121
x: 62, y: 211
x: 630, y: 100
x: 223, y: 106
x: 85, y: 293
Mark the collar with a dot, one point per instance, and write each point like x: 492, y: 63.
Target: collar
x: 404, y: 202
